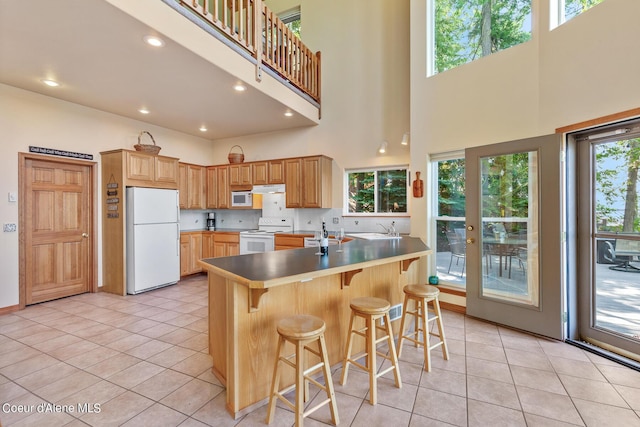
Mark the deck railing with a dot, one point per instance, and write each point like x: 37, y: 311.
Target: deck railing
x: 252, y: 26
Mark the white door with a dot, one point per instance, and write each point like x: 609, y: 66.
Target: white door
x: 156, y: 256
x: 513, y: 235
x: 152, y: 205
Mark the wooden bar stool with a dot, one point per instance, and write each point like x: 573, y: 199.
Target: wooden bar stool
x: 302, y: 330
x: 422, y: 295
x: 371, y: 309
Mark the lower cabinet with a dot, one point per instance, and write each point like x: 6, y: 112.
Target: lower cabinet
x: 197, y: 245
x: 190, y: 253
x: 289, y: 241
x: 226, y: 244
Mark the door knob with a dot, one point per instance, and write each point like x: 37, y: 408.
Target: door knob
x: 85, y: 235
x: 470, y: 241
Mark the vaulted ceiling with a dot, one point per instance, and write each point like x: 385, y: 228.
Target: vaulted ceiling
x: 98, y: 55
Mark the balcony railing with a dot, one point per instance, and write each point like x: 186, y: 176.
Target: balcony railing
x: 253, y: 27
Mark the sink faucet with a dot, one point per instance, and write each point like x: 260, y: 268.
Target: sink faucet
x: 391, y: 230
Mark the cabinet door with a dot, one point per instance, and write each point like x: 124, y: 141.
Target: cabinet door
x: 139, y: 166
x: 183, y: 186
x: 311, y: 183
x: 276, y: 172
x: 219, y: 249
x: 166, y: 170
x: 207, y: 245
x: 195, y: 178
x: 240, y: 175
x: 212, y: 187
x: 185, y: 254
x: 233, y: 249
x: 195, y: 244
x: 293, y: 182
x: 260, y: 173
x: 223, y: 194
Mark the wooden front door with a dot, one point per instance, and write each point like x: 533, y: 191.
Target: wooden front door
x: 56, y: 223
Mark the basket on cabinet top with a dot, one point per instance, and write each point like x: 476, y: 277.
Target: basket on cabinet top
x: 147, y: 148
x: 236, y: 157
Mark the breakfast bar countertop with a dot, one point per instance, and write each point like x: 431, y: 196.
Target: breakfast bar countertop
x: 268, y: 269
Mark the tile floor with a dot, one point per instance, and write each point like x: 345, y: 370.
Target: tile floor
x: 144, y: 360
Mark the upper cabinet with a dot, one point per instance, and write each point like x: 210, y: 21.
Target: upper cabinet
x: 308, y: 182
x: 139, y: 169
x: 191, y: 186
x: 268, y: 172
x: 240, y: 175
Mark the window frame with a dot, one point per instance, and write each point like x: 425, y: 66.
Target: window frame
x: 347, y: 171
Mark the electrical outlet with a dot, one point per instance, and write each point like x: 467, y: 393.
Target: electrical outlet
x: 336, y: 220
x: 9, y: 228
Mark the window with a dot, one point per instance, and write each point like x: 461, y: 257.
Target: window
x: 378, y: 191
x: 467, y: 30
x: 291, y: 18
x: 448, y: 217
x: 569, y: 9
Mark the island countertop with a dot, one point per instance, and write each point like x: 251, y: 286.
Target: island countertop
x: 268, y: 269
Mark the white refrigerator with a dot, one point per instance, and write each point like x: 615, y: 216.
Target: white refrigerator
x: 153, y: 238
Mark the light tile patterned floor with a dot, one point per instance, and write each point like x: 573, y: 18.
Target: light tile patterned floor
x: 144, y: 360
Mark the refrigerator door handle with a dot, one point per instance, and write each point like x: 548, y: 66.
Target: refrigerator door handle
x: 178, y: 240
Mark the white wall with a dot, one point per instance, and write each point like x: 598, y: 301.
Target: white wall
x: 582, y: 70
x: 28, y: 119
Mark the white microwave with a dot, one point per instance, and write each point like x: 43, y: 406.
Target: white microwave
x: 241, y: 199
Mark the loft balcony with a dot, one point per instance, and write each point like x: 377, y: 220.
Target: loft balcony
x: 249, y: 25
x: 95, y: 49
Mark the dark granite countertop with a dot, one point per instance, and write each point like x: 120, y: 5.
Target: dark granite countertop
x: 275, y: 268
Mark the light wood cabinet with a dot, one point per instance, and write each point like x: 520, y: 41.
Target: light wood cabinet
x: 260, y: 173
x: 226, y: 243
x: 288, y: 241
x: 212, y: 187
x: 120, y: 169
x: 293, y: 182
x: 190, y: 252
x: 240, y: 175
x: 308, y: 182
x: 276, y: 171
x: 146, y: 170
x: 223, y: 194
x: 191, y: 184
x: 207, y: 244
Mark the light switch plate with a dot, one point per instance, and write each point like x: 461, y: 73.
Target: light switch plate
x: 9, y: 228
x: 13, y: 197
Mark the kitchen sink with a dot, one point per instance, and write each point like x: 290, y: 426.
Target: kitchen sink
x: 373, y: 236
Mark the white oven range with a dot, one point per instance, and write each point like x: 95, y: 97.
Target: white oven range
x: 262, y: 239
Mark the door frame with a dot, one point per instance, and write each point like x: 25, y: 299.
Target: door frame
x: 93, y: 226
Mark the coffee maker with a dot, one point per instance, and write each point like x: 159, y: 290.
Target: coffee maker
x: 211, y: 221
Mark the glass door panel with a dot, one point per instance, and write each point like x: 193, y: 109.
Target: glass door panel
x: 609, y: 244
x: 509, y: 239
x: 513, y: 199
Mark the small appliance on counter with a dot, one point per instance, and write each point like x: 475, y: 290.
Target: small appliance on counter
x: 211, y: 221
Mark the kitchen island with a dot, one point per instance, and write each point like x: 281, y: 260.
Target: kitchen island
x: 248, y: 294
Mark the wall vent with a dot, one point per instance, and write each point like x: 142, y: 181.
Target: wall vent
x: 395, y: 313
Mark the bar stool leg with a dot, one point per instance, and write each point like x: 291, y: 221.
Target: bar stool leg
x: 445, y: 349
x: 371, y: 365
x: 275, y: 383
x: 300, y: 380
x: 329, y: 382
x: 404, y: 317
x: 345, y: 363
x: 424, y: 315
x: 392, y: 349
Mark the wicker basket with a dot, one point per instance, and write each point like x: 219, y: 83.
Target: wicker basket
x: 236, y: 157
x: 147, y: 148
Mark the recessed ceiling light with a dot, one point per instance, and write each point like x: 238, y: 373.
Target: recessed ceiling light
x: 203, y: 129
x: 240, y: 87
x: 154, y: 41
x: 143, y: 111
x: 288, y: 113
x: 51, y: 83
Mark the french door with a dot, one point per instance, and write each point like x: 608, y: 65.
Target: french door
x: 514, y: 214
x: 608, y: 232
